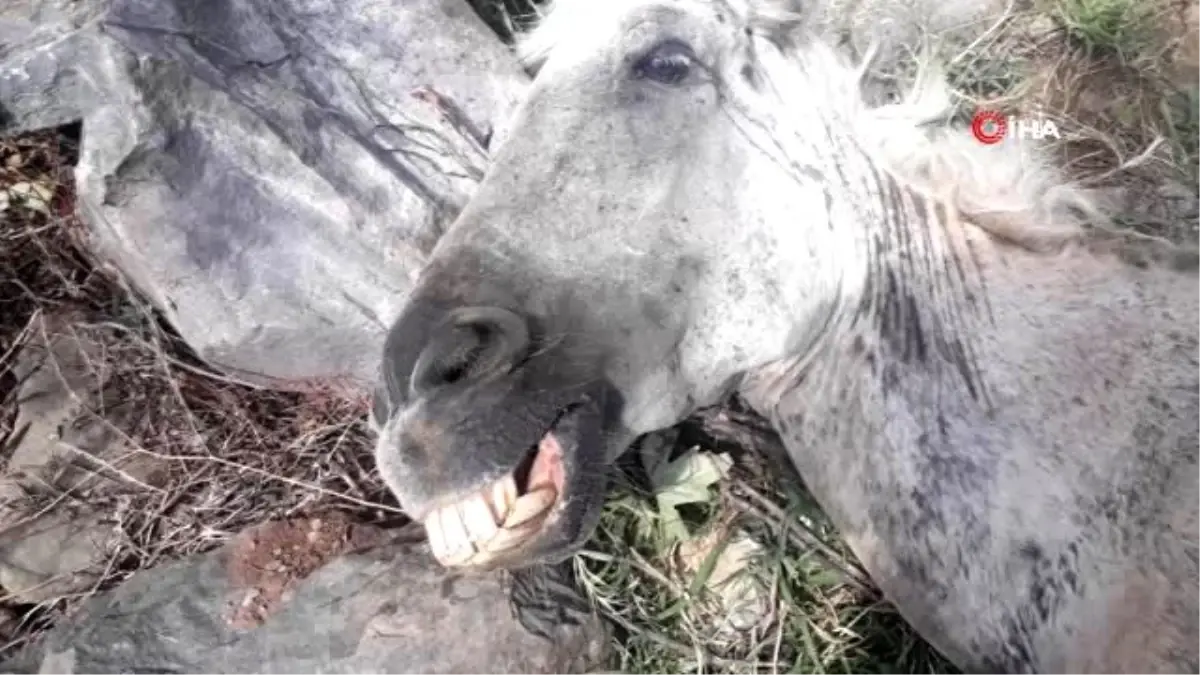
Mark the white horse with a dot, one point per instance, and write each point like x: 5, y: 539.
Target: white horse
x: 997, y: 409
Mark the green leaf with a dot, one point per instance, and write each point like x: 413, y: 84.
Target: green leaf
x: 685, y: 481
x: 824, y: 578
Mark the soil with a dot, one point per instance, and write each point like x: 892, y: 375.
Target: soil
x: 267, y: 561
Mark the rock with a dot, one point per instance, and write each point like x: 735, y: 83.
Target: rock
x: 57, y: 446
x: 53, y: 65
x: 270, y: 175
x: 391, y: 609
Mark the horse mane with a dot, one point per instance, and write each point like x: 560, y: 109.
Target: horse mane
x: 1011, y: 190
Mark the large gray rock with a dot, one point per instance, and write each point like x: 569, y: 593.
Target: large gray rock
x: 270, y: 174
x: 391, y: 609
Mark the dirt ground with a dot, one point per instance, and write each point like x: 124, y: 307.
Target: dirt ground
x: 267, y: 560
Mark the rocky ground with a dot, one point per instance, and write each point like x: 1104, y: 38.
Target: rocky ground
x: 227, y: 513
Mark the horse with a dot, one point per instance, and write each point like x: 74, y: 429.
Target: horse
x: 995, y: 402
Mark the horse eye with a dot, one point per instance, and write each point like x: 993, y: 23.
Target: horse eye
x: 669, y: 63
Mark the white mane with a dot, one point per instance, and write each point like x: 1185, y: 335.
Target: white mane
x: 1010, y: 189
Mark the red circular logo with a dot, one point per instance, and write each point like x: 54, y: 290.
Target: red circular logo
x: 989, y: 127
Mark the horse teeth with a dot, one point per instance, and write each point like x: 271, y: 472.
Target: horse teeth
x: 437, y: 538
x: 530, y: 506
x: 504, y: 495
x: 448, y: 539
x: 477, y: 518
x: 509, y: 538
x: 468, y: 531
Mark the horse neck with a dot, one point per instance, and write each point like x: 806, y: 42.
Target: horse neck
x: 903, y: 359
x: 912, y: 299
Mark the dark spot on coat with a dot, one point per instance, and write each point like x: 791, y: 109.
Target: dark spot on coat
x: 1053, y: 577
x: 314, y: 122
x: 911, y: 333
x: 859, y: 346
x: 750, y: 76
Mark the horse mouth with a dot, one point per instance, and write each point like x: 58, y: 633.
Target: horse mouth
x: 504, y: 519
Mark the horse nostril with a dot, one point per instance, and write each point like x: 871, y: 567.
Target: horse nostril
x: 474, y: 343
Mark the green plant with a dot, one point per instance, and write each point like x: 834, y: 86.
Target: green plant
x: 1124, y: 28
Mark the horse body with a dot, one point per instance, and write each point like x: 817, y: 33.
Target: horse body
x: 695, y: 198
x: 1047, y: 522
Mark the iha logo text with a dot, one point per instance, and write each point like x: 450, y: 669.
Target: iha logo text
x: 991, y: 127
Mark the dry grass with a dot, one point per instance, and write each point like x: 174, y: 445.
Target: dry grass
x: 232, y: 456
x: 821, y: 614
